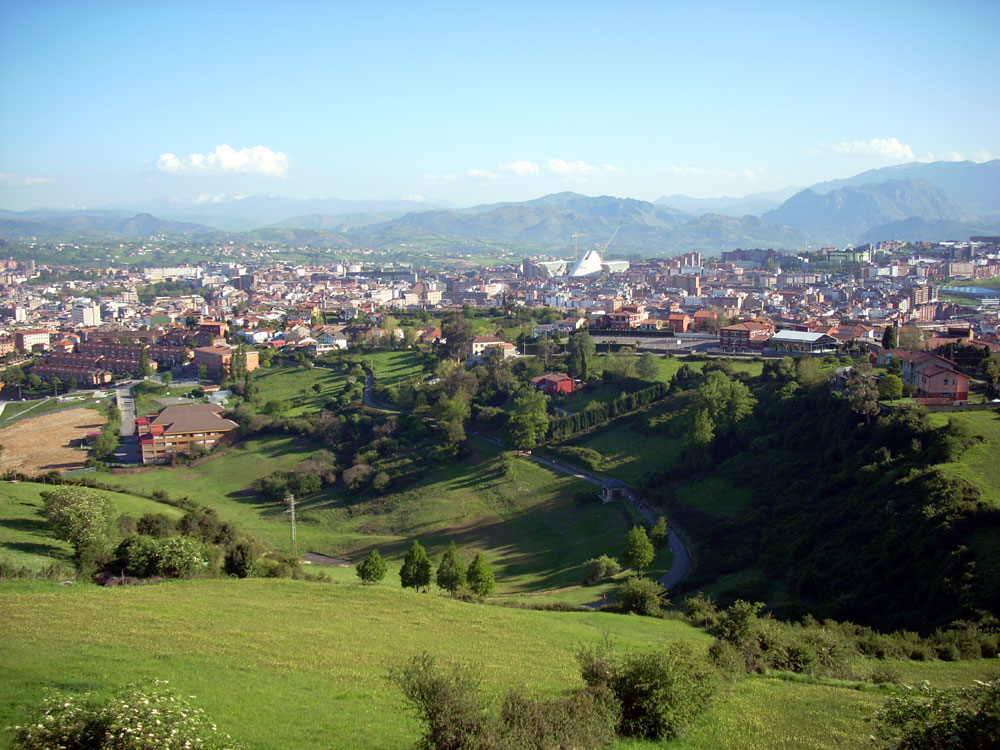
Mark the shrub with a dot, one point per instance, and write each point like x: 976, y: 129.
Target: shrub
x: 241, y: 560
x: 586, y: 719
x: 179, y: 557
x: 600, y: 567
x: 155, y: 524
x: 658, y: 692
x: 448, y: 704
x: 135, y: 718
x: 643, y: 596
x: 701, y: 611
x: 137, y: 556
x: 927, y: 719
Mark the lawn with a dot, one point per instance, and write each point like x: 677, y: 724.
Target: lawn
x: 978, y: 464
x: 15, y: 410
x: 527, y: 522
x: 25, y: 539
x: 302, y: 389
x: 148, y: 393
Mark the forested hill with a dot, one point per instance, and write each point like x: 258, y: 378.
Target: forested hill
x: 848, y: 516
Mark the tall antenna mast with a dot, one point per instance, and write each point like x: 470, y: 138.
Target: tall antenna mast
x: 290, y: 501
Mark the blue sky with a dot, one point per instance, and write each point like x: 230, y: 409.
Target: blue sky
x: 110, y: 102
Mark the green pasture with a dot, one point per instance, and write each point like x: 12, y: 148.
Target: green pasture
x: 290, y: 664
x: 285, y: 664
x: 148, y: 394
x: 527, y: 522
x: 393, y: 367
x: 979, y: 463
x: 293, y: 385
x: 628, y: 454
x: 25, y: 538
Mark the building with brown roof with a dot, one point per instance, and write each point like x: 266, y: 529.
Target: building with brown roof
x: 218, y: 359
x: 181, y: 430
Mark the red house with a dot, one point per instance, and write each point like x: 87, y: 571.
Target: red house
x: 554, y: 384
x: 748, y: 336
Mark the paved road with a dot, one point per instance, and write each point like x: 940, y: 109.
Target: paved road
x: 126, y: 402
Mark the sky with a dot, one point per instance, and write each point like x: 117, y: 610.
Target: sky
x: 115, y: 103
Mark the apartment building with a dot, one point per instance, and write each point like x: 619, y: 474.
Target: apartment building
x: 179, y: 429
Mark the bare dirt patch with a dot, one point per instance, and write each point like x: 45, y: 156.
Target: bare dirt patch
x: 42, y: 444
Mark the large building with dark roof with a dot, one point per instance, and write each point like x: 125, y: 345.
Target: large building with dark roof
x: 179, y: 429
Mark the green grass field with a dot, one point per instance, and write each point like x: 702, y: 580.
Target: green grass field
x: 285, y: 664
x: 979, y: 463
x: 25, y: 539
x: 393, y: 367
x: 293, y: 385
x: 527, y: 523
x: 629, y: 455
x: 15, y: 410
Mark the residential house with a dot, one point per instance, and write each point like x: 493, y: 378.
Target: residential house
x: 748, y: 336
x: 554, y: 384
x: 482, y: 348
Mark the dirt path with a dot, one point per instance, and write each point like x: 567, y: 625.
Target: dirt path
x: 40, y: 444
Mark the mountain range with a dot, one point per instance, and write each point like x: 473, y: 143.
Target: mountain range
x: 920, y: 201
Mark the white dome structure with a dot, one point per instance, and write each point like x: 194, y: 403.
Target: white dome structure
x: 588, y: 265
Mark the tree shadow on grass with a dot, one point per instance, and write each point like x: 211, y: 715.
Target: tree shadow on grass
x: 35, y: 548
x: 30, y: 525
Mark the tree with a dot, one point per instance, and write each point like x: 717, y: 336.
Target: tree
x: 890, y: 387
x: 416, y: 570
x: 458, y: 334
x: 727, y: 401
x: 82, y: 517
x: 167, y: 377
x: 889, y: 340
x: 658, y: 535
x: 451, y: 572
x: 545, y: 349
x: 529, y: 423
x: 145, y: 368
x: 202, y: 372
x: 581, y: 352
x: 646, y: 367
x: 480, y: 576
x: 372, y: 568
x: 638, y: 551
x: 862, y: 394
x: 241, y: 560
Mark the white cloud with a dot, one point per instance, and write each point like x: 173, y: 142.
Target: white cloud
x: 983, y: 155
x: 561, y: 166
x: 521, y: 167
x: 225, y: 159
x: 18, y: 181
x: 887, y: 149
x: 482, y: 173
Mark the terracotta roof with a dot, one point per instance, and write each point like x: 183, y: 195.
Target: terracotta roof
x: 192, y: 418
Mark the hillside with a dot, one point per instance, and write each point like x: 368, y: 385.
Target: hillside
x: 285, y: 664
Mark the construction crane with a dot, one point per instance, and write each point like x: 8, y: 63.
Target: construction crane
x: 607, y: 244
x: 576, y: 246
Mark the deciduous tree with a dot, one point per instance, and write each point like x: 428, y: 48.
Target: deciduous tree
x: 638, y: 551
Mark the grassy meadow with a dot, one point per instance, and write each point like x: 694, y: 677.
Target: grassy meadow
x: 527, y: 522
x: 978, y: 464
x: 290, y: 664
x: 293, y: 385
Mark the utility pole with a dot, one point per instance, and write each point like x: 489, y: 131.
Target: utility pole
x: 290, y: 501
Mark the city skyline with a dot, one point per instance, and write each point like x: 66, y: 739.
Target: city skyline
x: 117, y: 103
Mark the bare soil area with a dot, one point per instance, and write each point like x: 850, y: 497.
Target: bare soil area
x: 42, y: 444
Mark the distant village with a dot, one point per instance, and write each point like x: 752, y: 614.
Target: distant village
x: 84, y: 329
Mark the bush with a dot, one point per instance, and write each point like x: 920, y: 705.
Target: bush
x: 658, y: 693
x: 701, y: 611
x: 454, y: 713
x: 179, y: 557
x: 135, y: 718
x: 643, y: 596
x: 138, y: 556
x: 241, y: 560
x: 927, y: 719
x: 155, y: 524
x: 600, y: 567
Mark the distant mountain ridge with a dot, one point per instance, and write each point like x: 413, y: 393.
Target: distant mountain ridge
x: 69, y: 225
x: 749, y: 205
x: 840, y: 216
